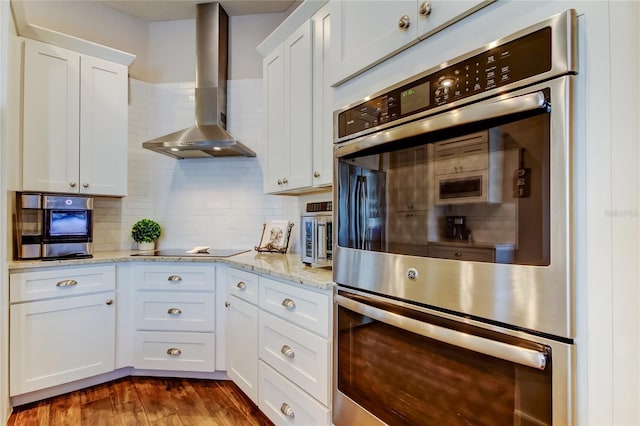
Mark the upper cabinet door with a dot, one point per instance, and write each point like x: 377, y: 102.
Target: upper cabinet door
x: 51, y: 118
x: 278, y: 156
x: 103, y: 127
x: 435, y: 15
x: 365, y: 33
x: 322, y: 100
x: 298, y: 75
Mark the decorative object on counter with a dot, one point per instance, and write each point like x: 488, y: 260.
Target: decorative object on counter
x: 275, y: 236
x: 145, y: 232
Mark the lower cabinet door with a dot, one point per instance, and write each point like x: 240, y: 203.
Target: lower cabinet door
x: 61, y: 340
x: 242, y: 346
x: 180, y: 351
x: 285, y: 403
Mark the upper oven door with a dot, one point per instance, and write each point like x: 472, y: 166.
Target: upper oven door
x: 509, y: 260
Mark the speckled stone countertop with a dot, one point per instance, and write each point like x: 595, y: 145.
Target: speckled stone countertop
x: 284, y: 266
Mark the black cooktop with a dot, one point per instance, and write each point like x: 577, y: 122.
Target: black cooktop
x: 184, y: 253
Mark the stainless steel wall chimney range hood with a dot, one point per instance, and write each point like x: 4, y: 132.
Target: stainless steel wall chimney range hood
x: 209, y: 137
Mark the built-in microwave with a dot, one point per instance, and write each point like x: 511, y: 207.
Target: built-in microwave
x: 317, y: 234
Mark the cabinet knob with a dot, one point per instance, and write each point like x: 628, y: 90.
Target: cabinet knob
x: 457, y: 254
x: 66, y: 283
x: 227, y: 304
x: 287, y: 410
x: 85, y: 185
x: 404, y: 22
x: 425, y: 8
x: 174, y: 311
x: 279, y: 181
x: 287, y: 351
x: 241, y: 285
x: 174, y: 351
x: 289, y: 304
x: 109, y: 302
x: 316, y: 174
x: 72, y: 184
x: 174, y: 278
x: 285, y: 181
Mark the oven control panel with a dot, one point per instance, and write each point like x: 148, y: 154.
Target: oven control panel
x: 516, y: 60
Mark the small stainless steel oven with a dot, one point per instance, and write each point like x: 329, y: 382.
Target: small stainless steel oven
x: 453, y: 253
x: 54, y: 226
x: 316, y: 234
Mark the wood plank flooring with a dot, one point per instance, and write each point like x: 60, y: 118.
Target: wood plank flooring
x: 145, y: 401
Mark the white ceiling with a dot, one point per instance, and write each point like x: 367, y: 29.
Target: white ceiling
x: 167, y: 10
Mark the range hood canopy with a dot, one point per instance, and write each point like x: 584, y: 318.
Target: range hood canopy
x: 209, y: 137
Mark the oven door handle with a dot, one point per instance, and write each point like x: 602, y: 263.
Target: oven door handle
x: 503, y: 106
x: 516, y: 354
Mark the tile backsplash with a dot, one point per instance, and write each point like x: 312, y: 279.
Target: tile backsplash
x: 217, y: 202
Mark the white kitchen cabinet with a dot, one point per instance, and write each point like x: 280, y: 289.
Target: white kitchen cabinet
x: 174, y: 316
x: 62, y: 326
x: 74, y: 122
x: 287, y: 73
x: 294, y: 351
x: 322, y: 100
x: 298, y: 109
x: 365, y: 34
x: 279, y: 346
x: 242, y: 331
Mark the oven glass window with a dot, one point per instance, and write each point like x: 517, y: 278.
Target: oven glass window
x: 71, y: 223
x: 468, y: 193
x: 405, y: 378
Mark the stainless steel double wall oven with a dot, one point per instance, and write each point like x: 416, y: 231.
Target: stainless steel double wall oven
x: 453, y: 254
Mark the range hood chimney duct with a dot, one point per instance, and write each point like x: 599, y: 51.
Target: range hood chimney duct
x: 209, y: 137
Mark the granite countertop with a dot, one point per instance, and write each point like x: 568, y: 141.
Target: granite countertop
x: 284, y: 266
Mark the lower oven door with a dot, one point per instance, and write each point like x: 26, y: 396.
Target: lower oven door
x: 400, y: 364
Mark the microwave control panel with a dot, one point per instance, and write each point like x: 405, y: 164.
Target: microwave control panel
x: 516, y: 60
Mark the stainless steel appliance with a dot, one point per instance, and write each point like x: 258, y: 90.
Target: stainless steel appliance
x: 316, y: 234
x: 54, y: 226
x: 190, y: 253
x: 480, y: 329
x: 209, y: 136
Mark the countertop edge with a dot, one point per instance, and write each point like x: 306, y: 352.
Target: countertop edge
x: 287, y: 267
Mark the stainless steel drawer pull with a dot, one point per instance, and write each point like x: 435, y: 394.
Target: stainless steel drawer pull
x: 174, y: 278
x: 174, y: 311
x: 66, y: 283
x: 287, y: 351
x: 241, y: 285
x: 174, y: 351
x: 404, y: 22
x: 287, y: 410
x: 289, y: 304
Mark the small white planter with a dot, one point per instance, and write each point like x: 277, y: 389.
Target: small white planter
x: 147, y: 246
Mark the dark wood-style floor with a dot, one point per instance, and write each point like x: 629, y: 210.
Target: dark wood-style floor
x: 145, y: 401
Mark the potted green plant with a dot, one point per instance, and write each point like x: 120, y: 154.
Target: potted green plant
x: 145, y: 232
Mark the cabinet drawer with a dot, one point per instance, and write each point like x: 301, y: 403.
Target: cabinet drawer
x: 157, y: 350
x: 298, y: 354
x: 286, y: 404
x: 243, y: 285
x: 63, y: 281
x: 463, y: 253
x: 171, y: 311
x: 306, y: 308
x: 175, y: 276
